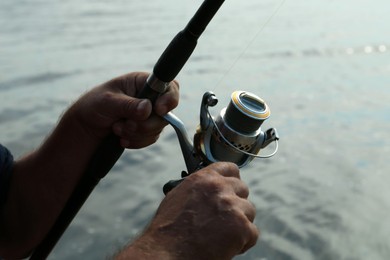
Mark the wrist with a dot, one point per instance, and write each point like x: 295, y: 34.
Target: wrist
x: 151, y: 246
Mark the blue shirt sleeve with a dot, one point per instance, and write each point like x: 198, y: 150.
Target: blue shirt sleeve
x: 6, y: 165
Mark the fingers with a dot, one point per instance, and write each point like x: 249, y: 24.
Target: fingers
x: 133, y: 108
x: 247, y: 229
x: 225, y: 169
x: 232, y: 182
x: 231, y: 175
x: 132, y: 118
x: 137, y: 134
x: 111, y: 106
x: 150, y: 127
x: 138, y: 143
x: 247, y: 208
x: 252, y: 236
x: 131, y: 84
x: 224, y: 185
x: 169, y: 100
x: 210, y: 208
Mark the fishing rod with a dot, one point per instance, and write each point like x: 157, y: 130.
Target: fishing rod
x: 165, y: 70
x: 234, y: 136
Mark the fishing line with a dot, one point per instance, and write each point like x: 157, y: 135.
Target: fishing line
x: 257, y: 34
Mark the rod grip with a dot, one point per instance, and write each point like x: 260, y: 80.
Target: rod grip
x: 148, y: 93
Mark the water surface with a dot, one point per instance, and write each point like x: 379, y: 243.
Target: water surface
x: 322, y: 66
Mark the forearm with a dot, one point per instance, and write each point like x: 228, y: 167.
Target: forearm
x: 42, y: 182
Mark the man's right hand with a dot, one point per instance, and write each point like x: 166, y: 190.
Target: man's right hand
x: 207, y: 216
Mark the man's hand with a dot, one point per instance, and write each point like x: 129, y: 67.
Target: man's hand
x: 43, y: 180
x: 207, y: 216
x: 113, y: 106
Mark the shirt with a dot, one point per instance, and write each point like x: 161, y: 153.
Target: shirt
x: 6, y: 164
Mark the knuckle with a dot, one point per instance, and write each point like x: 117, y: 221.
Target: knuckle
x: 241, y: 218
x: 252, y: 211
x: 226, y: 169
x: 227, y: 201
x: 244, y: 190
x: 106, y: 97
x: 251, y: 239
x: 128, y: 105
x: 206, y: 182
x: 241, y: 231
x: 232, y: 168
x: 247, y: 234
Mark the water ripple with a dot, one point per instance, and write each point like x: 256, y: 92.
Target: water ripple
x: 29, y: 81
x: 326, y: 52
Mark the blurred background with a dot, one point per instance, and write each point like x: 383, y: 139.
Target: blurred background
x: 322, y: 66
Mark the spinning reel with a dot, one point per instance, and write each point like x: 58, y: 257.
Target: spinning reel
x: 234, y: 136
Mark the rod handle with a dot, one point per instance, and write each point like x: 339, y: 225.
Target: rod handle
x: 171, y: 184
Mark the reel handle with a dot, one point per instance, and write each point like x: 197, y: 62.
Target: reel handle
x: 170, y: 185
x: 173, y: 183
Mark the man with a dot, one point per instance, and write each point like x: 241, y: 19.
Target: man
x: 207, y: 216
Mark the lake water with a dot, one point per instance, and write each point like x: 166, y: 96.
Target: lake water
x: 322, y: 66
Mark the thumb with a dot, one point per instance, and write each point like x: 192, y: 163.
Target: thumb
x: 133, y: 108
